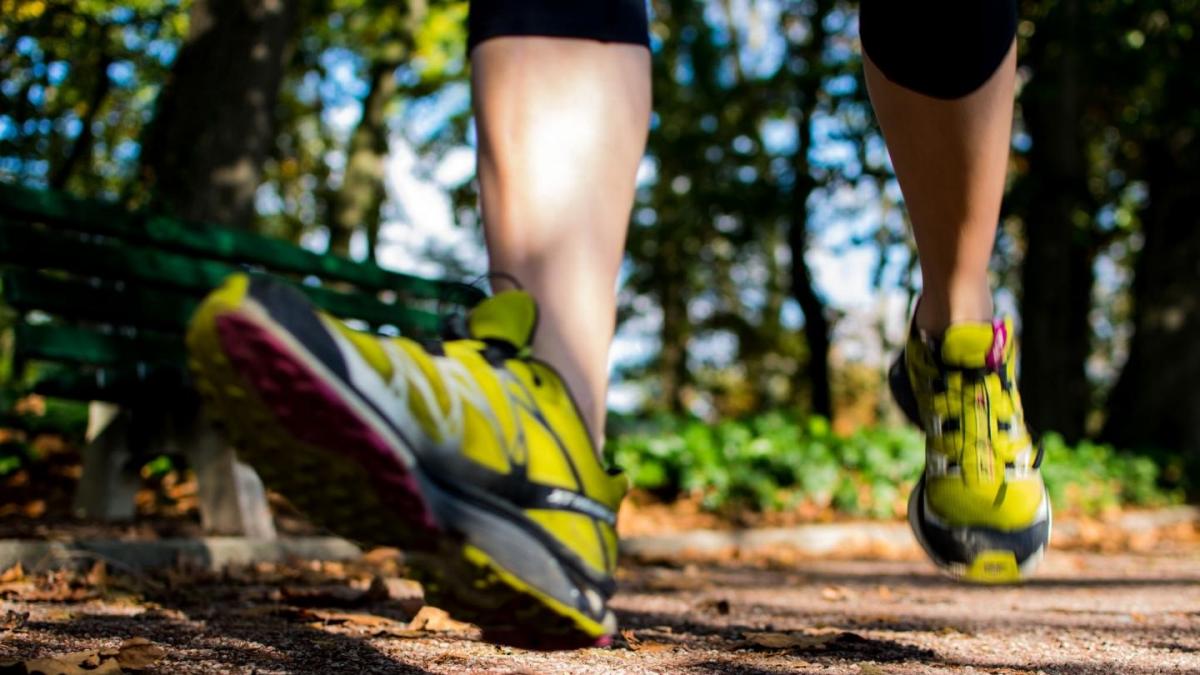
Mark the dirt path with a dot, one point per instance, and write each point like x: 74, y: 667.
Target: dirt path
x: 1086, y: 613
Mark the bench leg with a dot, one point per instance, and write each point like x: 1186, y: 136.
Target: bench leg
x: 110, y: 478
x: 232, y: 497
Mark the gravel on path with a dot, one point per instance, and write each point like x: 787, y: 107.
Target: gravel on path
x: 1085, y: 613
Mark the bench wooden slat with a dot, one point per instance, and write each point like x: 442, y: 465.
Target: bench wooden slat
x: 109, y: 259
x: 120, y: 286
x: 115, y: 260
x: 219, y: 243
x: 73, y: 344
x: 114, y: 385
x: 74, y: 298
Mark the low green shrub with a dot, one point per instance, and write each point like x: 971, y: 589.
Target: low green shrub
x: 1091, y: 477
x: 775, y: 461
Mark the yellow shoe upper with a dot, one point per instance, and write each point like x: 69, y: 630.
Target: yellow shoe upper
x: 485, y: 400
x: 980, y: 459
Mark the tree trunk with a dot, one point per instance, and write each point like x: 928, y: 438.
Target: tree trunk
x: 1156, y: 401
x: 215, y: 121
x: 1057, y: 273
x: 81, y: 146
x: 676, y: 327
x: 816, y: 324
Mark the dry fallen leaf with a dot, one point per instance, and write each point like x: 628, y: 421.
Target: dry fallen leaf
x: 78, y: 663
x: 790, y: 640
x: 352, y: 618
x: 378, y: 626
x: 14, y: 573
x: 32, y: 404
x: 837, y: 593
x: 399, y: 631
x: 381, y: 556
x: 402, y: 589
x: 54, y: 589
x: 436, y: 620
x: 638, y: 645
x: 35, y: 508
x: 98, y: 574
x: 720, y: 606
x: 631, y: 638
x: 652, y: 647
x: 138, y: 654
x: 333, y: 568
x: 13, y: 620
x: 15, y: 588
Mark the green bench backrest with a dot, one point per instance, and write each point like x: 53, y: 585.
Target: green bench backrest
x: 111, y: 290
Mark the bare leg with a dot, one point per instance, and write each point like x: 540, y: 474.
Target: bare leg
x: 562, y: 126
x: 950, y: 157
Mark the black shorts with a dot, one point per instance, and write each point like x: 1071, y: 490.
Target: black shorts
x: 603, y: 20
x: 940, y: 48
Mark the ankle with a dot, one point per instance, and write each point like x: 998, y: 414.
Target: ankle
x: 593, y: 416
x: 938, y: 308
x: 585, y: 394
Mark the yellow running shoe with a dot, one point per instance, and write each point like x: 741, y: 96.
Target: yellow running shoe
x: 980, y: 509
x: 469, y: 449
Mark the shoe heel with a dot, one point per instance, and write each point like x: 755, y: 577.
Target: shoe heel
x: 902, y: 391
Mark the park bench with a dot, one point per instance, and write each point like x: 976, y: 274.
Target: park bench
x: 102, y: 297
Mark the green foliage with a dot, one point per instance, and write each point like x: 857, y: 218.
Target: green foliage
x: 1091, y: 477
x: 409, y: 54
x: 775, y: 462
x: 13, y: 456
x: 760, y: 119
x: 78, y: 82
x: 159, y: 467
x: 69, y: 418
x: 54, y: 416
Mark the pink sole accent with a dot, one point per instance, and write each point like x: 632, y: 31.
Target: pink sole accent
x: 995, y: 357
x: 315, y: 414
x: 604, y: 641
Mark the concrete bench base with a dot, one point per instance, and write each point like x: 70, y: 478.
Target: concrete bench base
x: 232, y: 498
x: 213, y: 553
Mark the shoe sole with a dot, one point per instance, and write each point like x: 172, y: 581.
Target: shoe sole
x: 990, y: 566
x: 333, y: 458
